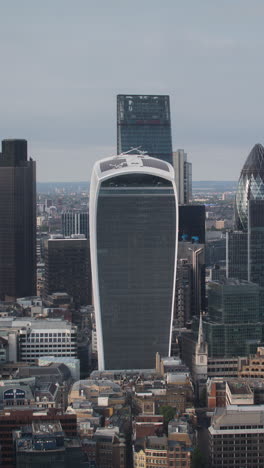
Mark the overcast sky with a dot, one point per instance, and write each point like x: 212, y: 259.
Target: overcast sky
x: 62, y: 63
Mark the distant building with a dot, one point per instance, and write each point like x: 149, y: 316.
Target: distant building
x: 67, y: 268
x: 18, y: 221
x: 133, y: 229
x: 75, y: 222
x: 183, y: 176
x: 143, y: 121
x: 220, y: 224
x: 236, y: 437
x: 215, y: 251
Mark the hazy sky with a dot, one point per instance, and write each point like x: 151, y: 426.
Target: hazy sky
x: 62, y: 63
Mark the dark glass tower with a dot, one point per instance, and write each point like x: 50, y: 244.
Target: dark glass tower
x: 250, y: 185
x: 144, y: 122
x: 133, y: 225
x: 67, y: 268
x: 234, y: 323
x: 18, y: 221
x: 192, y: 223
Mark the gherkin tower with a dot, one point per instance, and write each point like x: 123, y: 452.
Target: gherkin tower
x: 250, y: 185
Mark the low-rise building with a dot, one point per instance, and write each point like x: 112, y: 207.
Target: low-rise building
x: 29, y: 338
x: 110, y: 448
x: 236, y: 437
x: 164, y: 451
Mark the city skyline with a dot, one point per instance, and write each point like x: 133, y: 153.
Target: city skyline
x: 63, y: 66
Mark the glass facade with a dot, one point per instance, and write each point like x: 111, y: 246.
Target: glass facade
x: 250, y: 185
x: 136, y: 242
x: 234, y: 323
x: 68, y: 269
x: 144, y: 122
x: 192, y: 223
x: 237, y: 255
x: 18, y: 221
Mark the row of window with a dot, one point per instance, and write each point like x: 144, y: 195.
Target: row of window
x: 242, y: 427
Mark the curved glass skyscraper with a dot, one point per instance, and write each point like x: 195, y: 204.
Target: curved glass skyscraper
x: 133, y: 226
x: 250, y: 185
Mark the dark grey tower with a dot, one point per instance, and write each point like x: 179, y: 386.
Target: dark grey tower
x: 144, y: 121
x: 18, y: 221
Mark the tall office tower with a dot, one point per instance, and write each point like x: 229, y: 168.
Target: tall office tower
x: 194, y: 256
x: 18, y: 221
x: 234, y: 323
x: 245, y: 249
x: 67, y: 268
x: 237, y: 255
x: 250, y: 185
x: 192, y: 223
x: 183, y: 176
x: 183, y: 293
x: 133, y: 238
x: 144, y: 122
x: 75, y: 222
x: 256, y: 241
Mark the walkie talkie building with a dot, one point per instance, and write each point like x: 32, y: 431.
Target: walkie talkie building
x: 133, y: 238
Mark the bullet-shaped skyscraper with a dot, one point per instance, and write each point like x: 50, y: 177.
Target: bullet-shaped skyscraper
x: 133, y: 238
x: 18, y: 221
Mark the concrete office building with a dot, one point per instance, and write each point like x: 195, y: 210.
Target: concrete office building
x: 143, y: 121
x: 236, y: 437
x: 29, y: 339
x: 18, y: 221
x: 133, y: 226
x: 75, y: 222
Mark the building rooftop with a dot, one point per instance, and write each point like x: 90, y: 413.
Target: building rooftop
x: 239, y: 388
x: 131, y: 163
x: 243, y: 416
x: 36, y: 324
x: 46, y: 428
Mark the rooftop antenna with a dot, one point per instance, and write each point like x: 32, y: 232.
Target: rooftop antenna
x: 129, y: 151
x: 132, y: 150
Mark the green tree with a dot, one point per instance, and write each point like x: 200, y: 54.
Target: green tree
x: 168, y: 413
